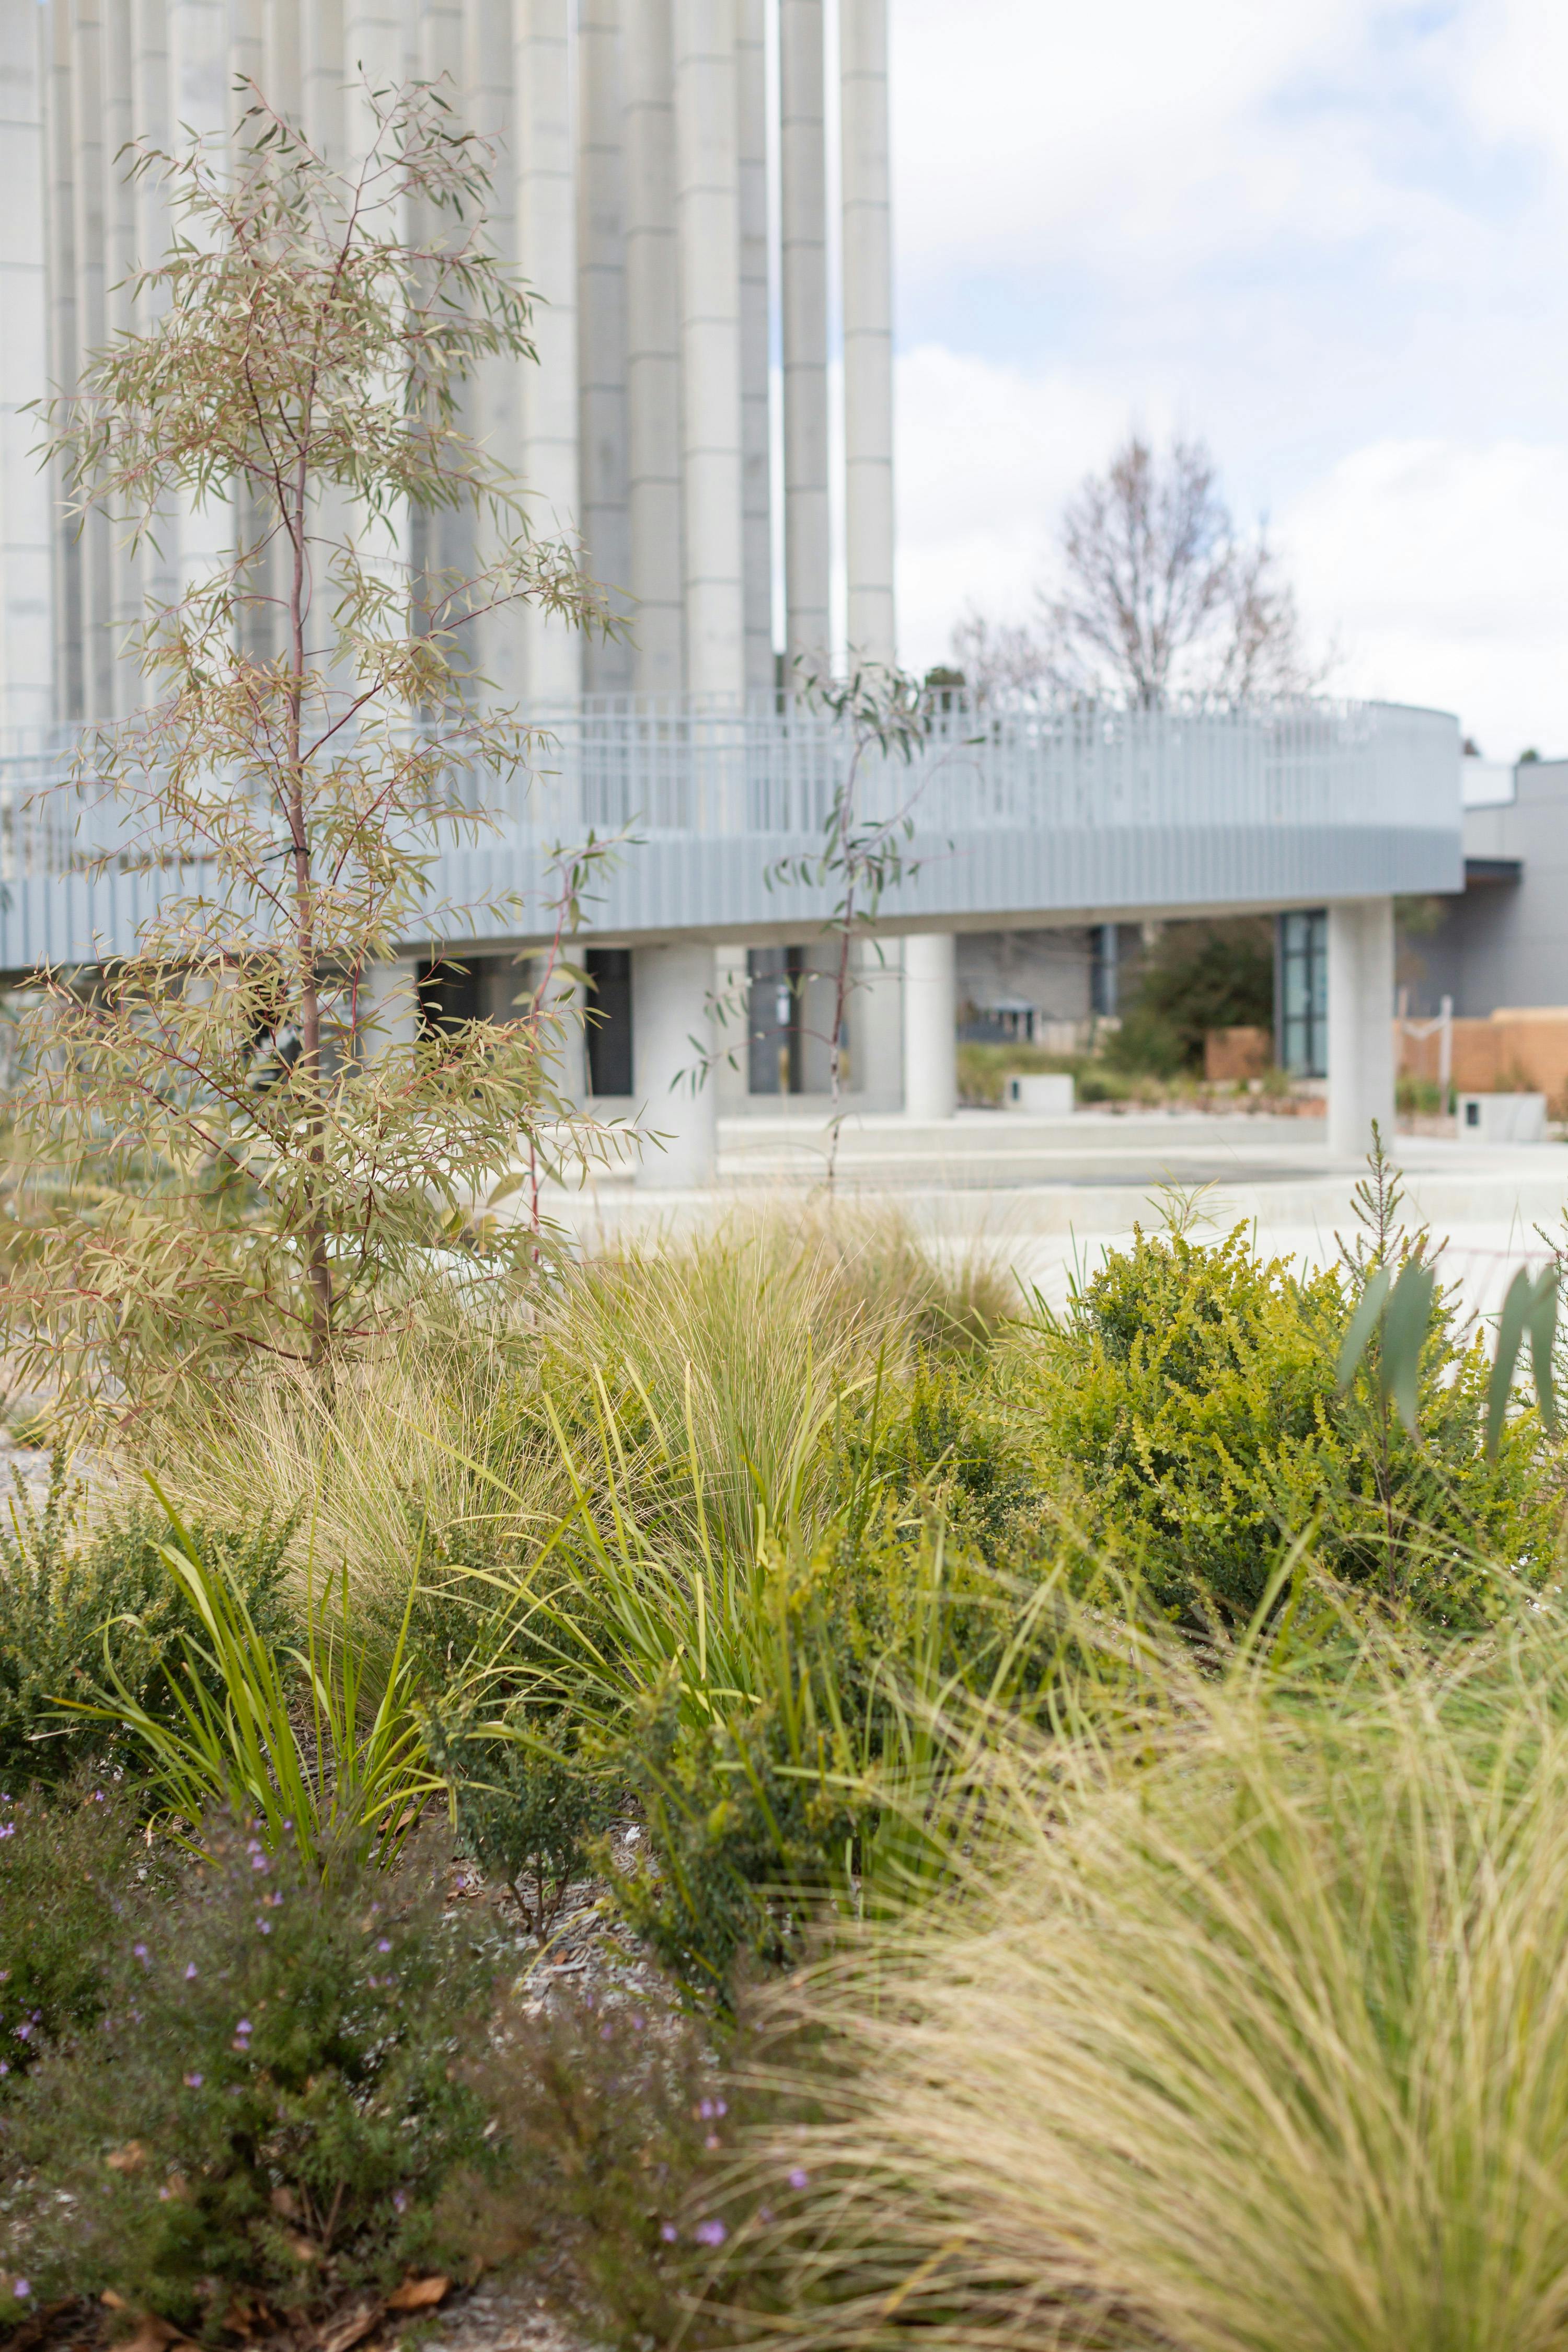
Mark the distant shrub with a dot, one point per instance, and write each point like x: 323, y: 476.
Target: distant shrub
x: 1185, y: 1410
x: 270, y: 2107
x: 526, y: 1812
x: 64, y: 1592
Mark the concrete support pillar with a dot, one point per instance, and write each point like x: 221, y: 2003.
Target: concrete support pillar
x: 602, y: 329
x: 930, y: 1026
x: 803, y: 163
x: 671, y: 1031
x: 1360, y: 1023
x: 547, y: 259
x: 388, y: 1007
x: 868, y: 328
x: 653, y: 353
x: 707, y: 212
x: 756, y: 436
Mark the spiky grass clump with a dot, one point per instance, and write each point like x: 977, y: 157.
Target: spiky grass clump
x: 1254, y: 2037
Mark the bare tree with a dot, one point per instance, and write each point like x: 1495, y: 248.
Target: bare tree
x: 1159, y: 597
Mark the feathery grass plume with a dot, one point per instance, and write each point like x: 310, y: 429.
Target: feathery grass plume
x: 1251, y: 2036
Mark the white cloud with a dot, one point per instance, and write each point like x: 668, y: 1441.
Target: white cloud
x: 986, y: 455
x: 1325, y: 234
x: 1442, y: 571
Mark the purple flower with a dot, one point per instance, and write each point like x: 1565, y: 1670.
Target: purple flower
x: 712, y: 2140
x: 23, y: 2032
x: 399, y: 2201
x: 190, y: 1970
x: 710, y: 2234
x: 669, y: 2232
x: 139, y: 1952
x: 5, y: 2068
x: 706, y: 2111
x: 7, y: 1829
x: 637, y: 2021
x: 193, y: 2082
x: 259, y: 1862
x: 384, y: 1946
x: 245, y: 2026
x: 21, y: 2288
x: 799, y: 2179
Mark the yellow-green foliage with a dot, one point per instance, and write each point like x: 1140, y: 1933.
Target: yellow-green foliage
x: 1185, y: 1414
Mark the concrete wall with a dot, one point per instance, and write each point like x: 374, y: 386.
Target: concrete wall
x: 1502, y: 941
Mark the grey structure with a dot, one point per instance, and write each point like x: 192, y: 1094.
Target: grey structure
x: 1503, y: 939
x: 663, y: 181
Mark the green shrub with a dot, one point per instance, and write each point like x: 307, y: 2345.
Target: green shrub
x: 72, y: 1881
x: 1186, y: 1410
x: 750, y: 1820
x: 526, y: 1810
x: 270, y: 2106
x: 939, y: 1442
x: 61, y: 1589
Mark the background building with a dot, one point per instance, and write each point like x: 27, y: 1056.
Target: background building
x: 712, y: 413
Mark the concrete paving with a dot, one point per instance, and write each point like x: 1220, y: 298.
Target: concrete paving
x: 1047, y: 1196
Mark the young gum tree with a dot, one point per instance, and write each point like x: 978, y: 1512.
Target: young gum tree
x: 249, y: 1168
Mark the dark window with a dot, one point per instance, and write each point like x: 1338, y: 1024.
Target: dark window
x: 776, y: 977
x: 1105, y: 972
x: 448, y: 997
x: 609, y: 1020
x: 1303, y: 993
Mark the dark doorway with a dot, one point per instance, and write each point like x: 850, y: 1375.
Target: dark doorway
x: 609, y: 1020
x: 448, y: 997
x: 776, y: 977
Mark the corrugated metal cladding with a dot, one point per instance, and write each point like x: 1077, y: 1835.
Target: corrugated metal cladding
x: 1034, y: 816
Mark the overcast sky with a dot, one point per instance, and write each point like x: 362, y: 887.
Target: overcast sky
x: 1327, y: 236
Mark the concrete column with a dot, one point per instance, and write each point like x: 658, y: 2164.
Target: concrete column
x: 1360, y: 1023
x: 802, y: 163
x: 26, y: 640
x: 868, y: 328
x: 95, y: 533
x: 57, y: 68
x: 281, y: 57
x: 708, y: 228
x: 322, y: 76
x: 653, y: 353
x: 492, y: 645
x: 602, y: 329
x: 246, y: 51
x: 930, y: 1026
x: 756, y: 438
x: 201, y: 106
x: 547, y: 258
x: 373, y: 59
x: 671, y: 1031
x: 388, y: 1006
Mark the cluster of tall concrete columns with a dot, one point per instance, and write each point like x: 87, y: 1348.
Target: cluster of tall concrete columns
x: 632, y: 192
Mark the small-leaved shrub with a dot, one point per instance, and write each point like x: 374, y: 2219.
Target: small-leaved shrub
x: 270, y: 2106
x: 1185, y: 1414
x: 74, y: 1880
